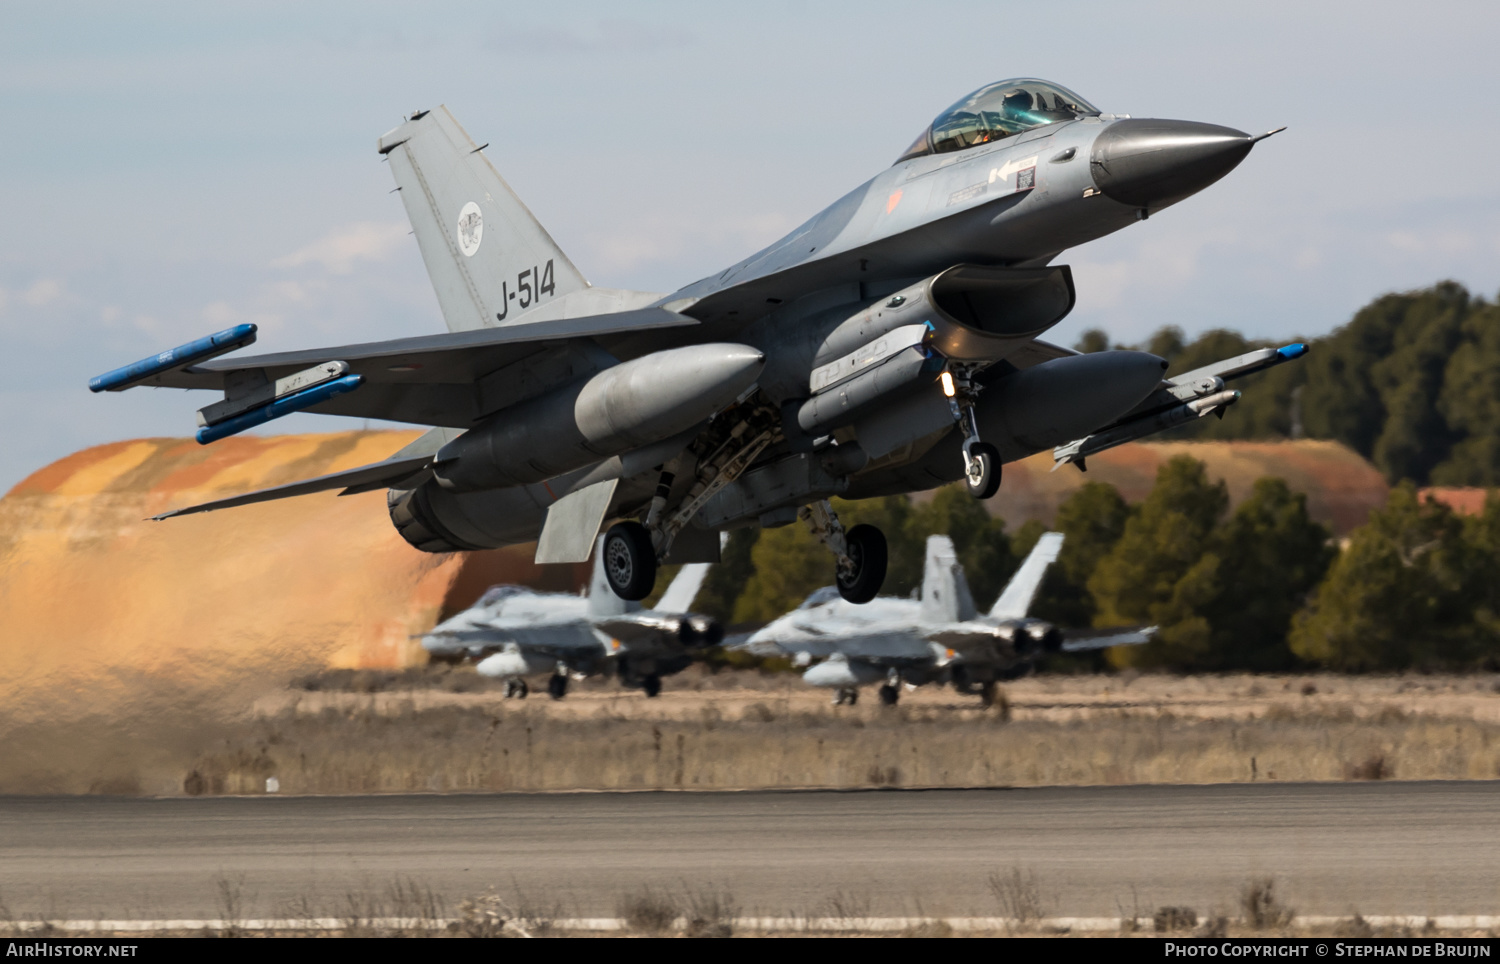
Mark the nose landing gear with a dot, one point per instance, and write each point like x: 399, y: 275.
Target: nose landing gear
x: 981, y: 459
x: 861, y: 552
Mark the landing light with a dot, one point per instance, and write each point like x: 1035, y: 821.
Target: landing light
x: 947, y: 379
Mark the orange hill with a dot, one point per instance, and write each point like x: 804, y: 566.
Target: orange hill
x: 1341, y: 486
x: 95, y: 597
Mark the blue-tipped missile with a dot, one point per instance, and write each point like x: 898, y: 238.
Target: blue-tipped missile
x: 281, y: 406
x: 203, y: 349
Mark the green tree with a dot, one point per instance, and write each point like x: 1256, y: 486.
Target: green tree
x: 1091, y: 520
x: 1265, y: 562
x: 1095, y: 339
x: 1164, y: 539
x: 726, y: 581
x: 1403, y: 594
x: 1469, y: 403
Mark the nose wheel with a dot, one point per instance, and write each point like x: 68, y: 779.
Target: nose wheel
x: 981, y: 459
x: 981, y: 469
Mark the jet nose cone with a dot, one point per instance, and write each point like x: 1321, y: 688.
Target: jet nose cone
x: 1153, y: 163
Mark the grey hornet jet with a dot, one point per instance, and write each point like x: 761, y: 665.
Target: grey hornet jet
x: 940, y: 638
x: 890, y: 344
x: 513, y: 632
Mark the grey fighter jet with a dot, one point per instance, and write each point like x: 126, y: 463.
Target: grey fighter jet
x: 939, y: 638
x: 513, y: 632
x: 890, y: 344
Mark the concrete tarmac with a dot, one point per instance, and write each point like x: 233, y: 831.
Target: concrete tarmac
x: 1375, y: 848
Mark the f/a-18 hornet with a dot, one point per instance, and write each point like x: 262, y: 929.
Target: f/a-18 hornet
x: 939, y: 638
x: 513, y: 632
x: 890, y: 344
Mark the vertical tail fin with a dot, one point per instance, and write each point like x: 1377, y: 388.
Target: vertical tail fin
x: 602, y: 599
x: 488, y: 258
x: 1021, y: 590
x: 684, y: 589
x: 945, y: 591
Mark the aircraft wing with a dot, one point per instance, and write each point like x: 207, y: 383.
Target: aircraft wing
x: 1177, y: 400
x: 1080, y: 641
x: 1021, y: 590
x: 440, y: 379
x: 684, y: 589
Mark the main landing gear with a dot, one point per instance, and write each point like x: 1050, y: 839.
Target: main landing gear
x: 846, y: 696
x: 629, y: 560
x: 981, y: 459
x: 557, y: 686
x: 890, y: 690
x: 860, y: 552
x: 516, y: 689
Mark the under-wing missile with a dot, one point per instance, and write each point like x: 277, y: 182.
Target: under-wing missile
x: 1183, y: 398
x: 624, y: 407
x: 285, y: 405
x: 209, y: 346
x: 1077, y: 451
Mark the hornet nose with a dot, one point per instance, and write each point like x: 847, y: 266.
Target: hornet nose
x: 1153, y: 163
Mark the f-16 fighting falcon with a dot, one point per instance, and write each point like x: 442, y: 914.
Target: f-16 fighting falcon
x: 890, y: 344
x: 513, y: 633
x: 940, y: 638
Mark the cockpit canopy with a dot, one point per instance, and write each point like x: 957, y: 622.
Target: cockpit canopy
x: 996, y: 111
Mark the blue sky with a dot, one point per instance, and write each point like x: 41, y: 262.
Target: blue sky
x: 169, y: 169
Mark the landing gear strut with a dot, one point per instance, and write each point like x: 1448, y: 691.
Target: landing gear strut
x: 860, y: 552
x: 981, y: 459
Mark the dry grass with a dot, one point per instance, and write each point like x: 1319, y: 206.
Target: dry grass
x: 746, y: 730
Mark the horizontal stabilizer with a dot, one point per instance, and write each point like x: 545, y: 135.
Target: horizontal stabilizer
x: 375, y: 475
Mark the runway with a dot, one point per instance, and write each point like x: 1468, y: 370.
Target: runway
x: 1375, y: 848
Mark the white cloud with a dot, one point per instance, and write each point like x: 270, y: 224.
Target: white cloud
x: 43, y: 292
x: 340, y: 249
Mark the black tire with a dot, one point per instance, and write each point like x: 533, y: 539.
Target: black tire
x: 652, y: 685
x: 515, y: 689
x: 867, y: 548
x: 982, y: 473
x: 987, y: 694
x: 889, y: 694
x: 557, y: 686
x: 629, y: 560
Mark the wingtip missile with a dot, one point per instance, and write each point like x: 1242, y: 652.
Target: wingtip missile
x: 202, y: 349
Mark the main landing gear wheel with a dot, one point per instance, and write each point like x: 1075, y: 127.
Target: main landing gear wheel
x: 987, y: 694
x: 652, y: 685
x: 866, y: 547
x: 629, y: 560
x: 846, y: 696
x: 889, y: 694
x: 557, y: 686
x: 515, y: 689
x: 982, y: 470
